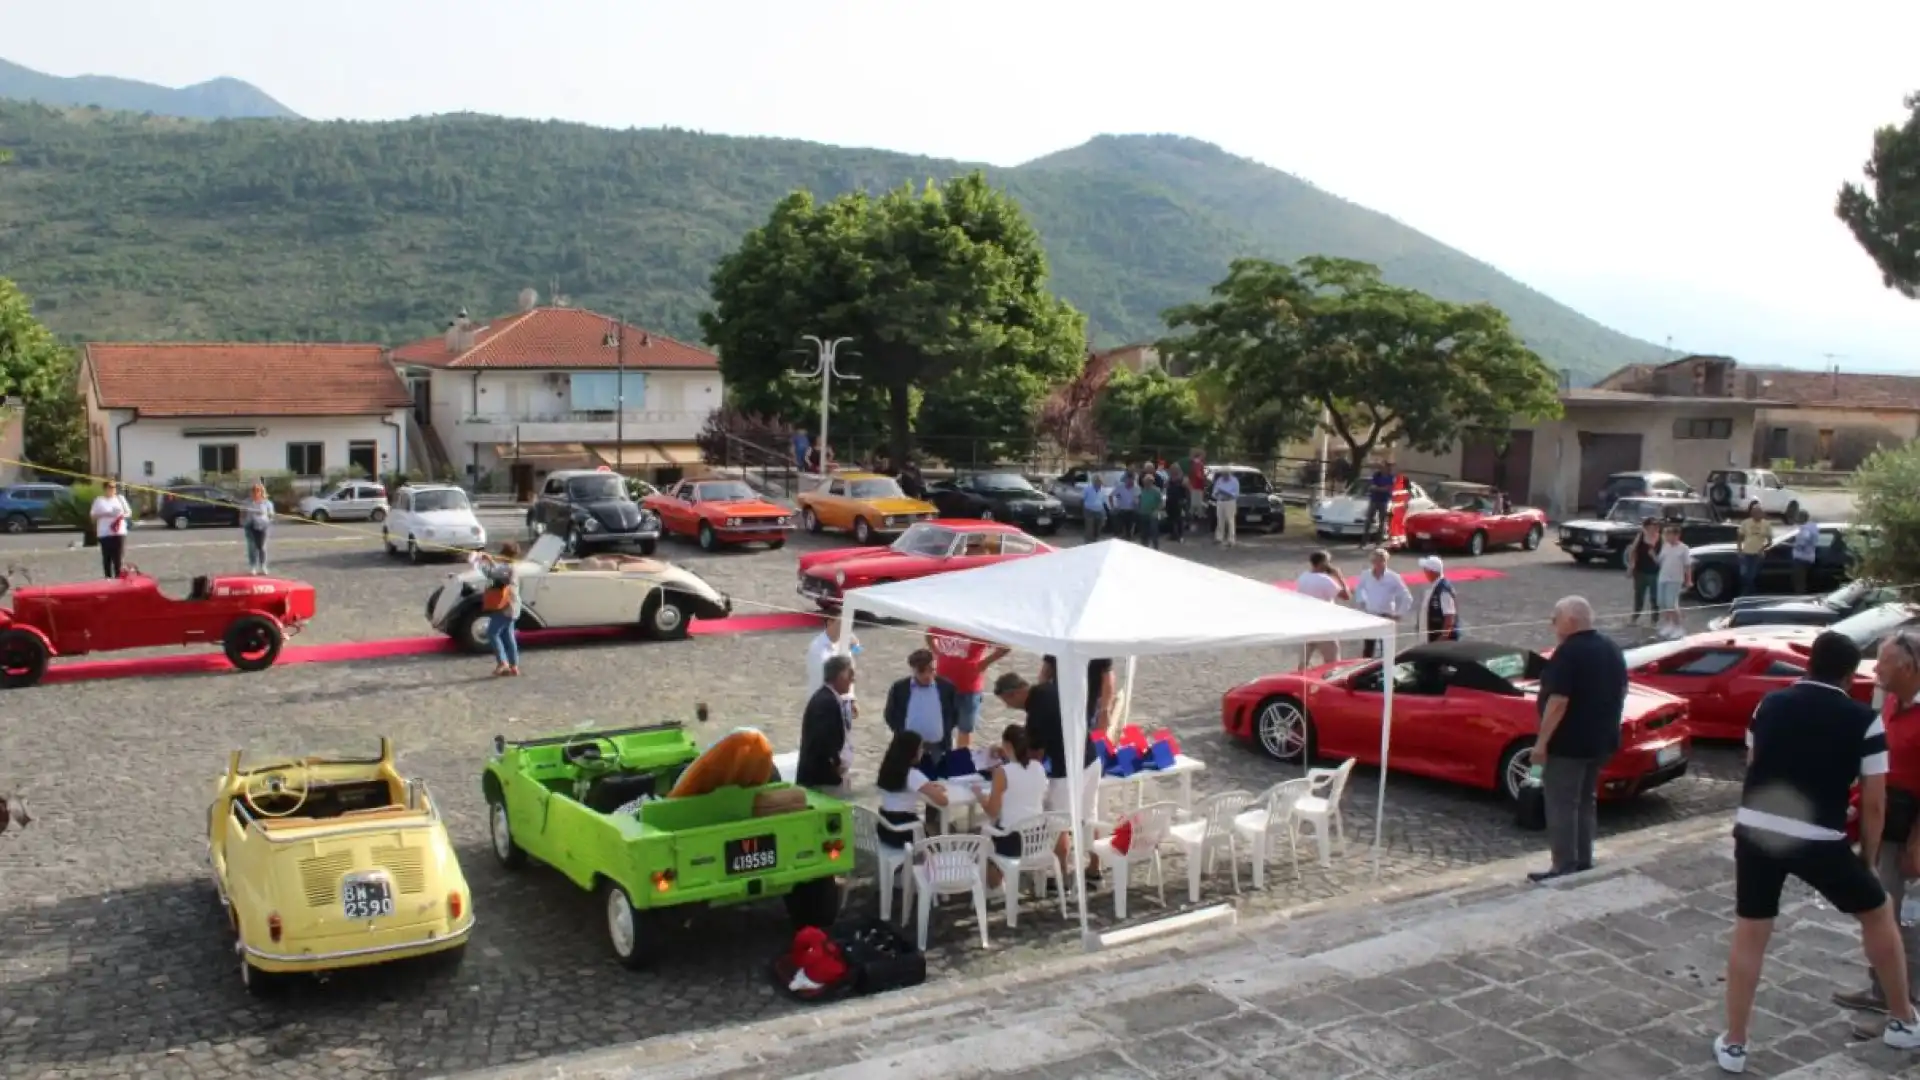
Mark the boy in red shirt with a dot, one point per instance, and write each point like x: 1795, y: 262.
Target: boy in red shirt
x: 963, y: 662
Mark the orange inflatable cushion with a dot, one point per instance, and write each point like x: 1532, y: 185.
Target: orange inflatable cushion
x: 742, y: 759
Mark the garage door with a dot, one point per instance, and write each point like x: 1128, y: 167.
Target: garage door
x: 1484, y: 460
x: 1602, y: 455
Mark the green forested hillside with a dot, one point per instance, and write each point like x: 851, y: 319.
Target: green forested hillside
x: 125, y: 226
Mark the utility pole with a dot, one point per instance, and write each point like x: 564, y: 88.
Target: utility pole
x: 826, y: 368
x: 616, y: 340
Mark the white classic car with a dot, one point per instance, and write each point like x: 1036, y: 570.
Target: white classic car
x: 1346, y: 515
x: 432, y: 519
x: 655, y: 597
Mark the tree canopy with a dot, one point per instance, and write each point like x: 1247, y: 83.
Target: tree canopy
x: 1886, y: 219
x: 937, y: 289
x: 40, y: 371
x: 1887, y: 499
x: 1151, y: 415
x: 1325, y: 341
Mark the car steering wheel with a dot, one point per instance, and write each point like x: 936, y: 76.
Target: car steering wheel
x: 575, y: 752
x: 281, y: 782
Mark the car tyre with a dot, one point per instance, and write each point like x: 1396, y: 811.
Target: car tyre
x: 1710, y: 583
x: 386, y: 541
x: 23, y: 659
x: 1583, y: 559
x: 1619, y: 558
x: 664, y: 617
x: 1721, y: 495
x: 709, y: 540
x: 319, y: 515
x: 377, y: 516
x: 776, y: 545
x: 265, y: 985
x: 534, y: 528
x: 626, y: 928
x: 414, y: 554
x: 180, y: 521
x: 1534, y: 536
x: 19, y: 523
x: 1282, y: 729
x: 814, y: 903
x: 506, y: 849
x: 572, y: 549
x: 810, y: 519
x: 445, y: 963
x: 1477, y: 543
x: 253, y: 642
x: 1512, y: 771
x: 862, y: 532
x: 468, y: 629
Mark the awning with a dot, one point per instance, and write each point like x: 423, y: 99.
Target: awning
x: 534, y: 451
x: 648, y: 455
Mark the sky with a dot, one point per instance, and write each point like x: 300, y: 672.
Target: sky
x: 1668, y: 168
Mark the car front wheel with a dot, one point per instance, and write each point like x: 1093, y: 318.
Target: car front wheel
x: 1477, y: 543
x: 19, y: 523
x: 810, y: 520
x: 1711, y: 584
x: 377, y: 516
x: 319, y: 515
x: 1534, y: 536
x: 862, y: 532
x: 709, y: 540
x: 23, y: 658
x: 180, y: 521
x: 469, y: 630
x: 664, y: 618
x: 1281, y: 727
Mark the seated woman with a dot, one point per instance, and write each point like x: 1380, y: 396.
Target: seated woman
x: 902, y: 787
x: 1019, y: 793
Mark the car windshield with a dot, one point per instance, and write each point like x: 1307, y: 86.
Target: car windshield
x: 1251, y: 483
x: 1642, y: 655
x: 1636, y: 510
x: 596, y: 488
x: 440, y: 499
x: 724, y: 491
x: 1869, y: 627
x: 924, y: 539
x: 1009, y: 482
x: 883, y: 487
x: 281, y: 757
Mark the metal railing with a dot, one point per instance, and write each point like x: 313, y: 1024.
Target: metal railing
x: 771, y: 470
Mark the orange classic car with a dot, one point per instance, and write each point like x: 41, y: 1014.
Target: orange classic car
x: 719, y: 513
x: 867, y: 505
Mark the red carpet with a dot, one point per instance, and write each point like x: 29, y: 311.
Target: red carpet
x: 1419, y: 577
x: 342, y: 651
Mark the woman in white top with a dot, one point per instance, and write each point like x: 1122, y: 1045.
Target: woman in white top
x: 1019, y: 793
x: 902, y: 789
x: 256, y: 519
x: 1323, y: 581
x: 1676, y: 574
x: 111, y: 514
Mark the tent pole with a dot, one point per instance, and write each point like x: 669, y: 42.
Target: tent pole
x: 1389, y: 650
x: 843, y: 632
x: 1070, y: 672
x: 1133, y: 662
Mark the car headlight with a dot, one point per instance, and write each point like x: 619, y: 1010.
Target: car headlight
x: 783, y: 521
x: 590, y: 525
x: 840, y: 578
x: 893, y: 521
x: 733, y: 523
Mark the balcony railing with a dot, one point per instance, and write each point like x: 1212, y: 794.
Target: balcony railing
x: 679, y: 426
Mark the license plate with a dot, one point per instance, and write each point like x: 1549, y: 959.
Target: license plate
x: 751, y: 855
x: 1575, y: 548
x: 1257, y: 515
x: 1424, y: 536
x: 1043, y: 521
x: 1667, y: 755
x: 366, y: 899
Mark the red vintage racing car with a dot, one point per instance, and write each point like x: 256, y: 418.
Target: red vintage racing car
x: 1473, y: 518
x: 927, y: 548
x: 1722, y: 676
x: 1463, y: 711
x: 249, y: 617
x: 718, y: 513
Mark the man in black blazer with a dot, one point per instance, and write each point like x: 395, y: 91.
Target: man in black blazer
x: 926, y: 704
x: 825, y: 731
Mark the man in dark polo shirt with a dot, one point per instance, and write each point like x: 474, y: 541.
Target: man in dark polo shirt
x: 1582, y: 695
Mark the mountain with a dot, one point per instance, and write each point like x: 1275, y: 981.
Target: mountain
x: 215, y: 99
x: 139, y: 227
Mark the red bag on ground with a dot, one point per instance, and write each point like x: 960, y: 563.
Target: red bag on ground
x: 1123, y: 837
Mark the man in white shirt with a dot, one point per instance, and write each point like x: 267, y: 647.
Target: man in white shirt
x: 1323, y: 581
x: 1226, y: 507
x: 1382, y: 592
x: 818, y: 650
x: 111, y: 515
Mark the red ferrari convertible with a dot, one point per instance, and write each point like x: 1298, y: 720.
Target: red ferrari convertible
x: 1473, y: 518
x: 1722, y: 676
x: 928, y: 548
x: 1464, y: 711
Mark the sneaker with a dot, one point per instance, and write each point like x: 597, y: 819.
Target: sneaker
x: 1902, y: 1034
x: 1731, y: 1056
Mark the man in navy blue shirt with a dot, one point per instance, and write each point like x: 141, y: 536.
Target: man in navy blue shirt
x: 1379, y: 504
x: 1582, y: 695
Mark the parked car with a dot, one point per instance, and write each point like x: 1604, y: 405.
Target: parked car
x: 1464, y: 712
x: 1002, y: 495
x: 590, y: 508
x: 432, y: 519
x: 1867, y: 630
x: 1346, y: 515
x: 720, y: 513
x: 187, y: 505
x: 926, y: 549
x: 598, y: 807
x: 351, y: 500
x: 1723, y: 676
x: 1069, y: 487
x: 250, y: 616
x: 1639, y: 484
x: 326, y: 862
x: 657, y: 598
x: 26, y: 507
x: 1732, y: 490
x: 867, y: 505
x: 1716, y: 567
x: 1607, y: 539
x: 1259, y: 506
x: 1473, y: 518
x: 1846, y: 601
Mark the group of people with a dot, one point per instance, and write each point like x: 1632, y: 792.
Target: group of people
x: 112, y: 517
x: 1179, y: 493
x: 1380, y: 591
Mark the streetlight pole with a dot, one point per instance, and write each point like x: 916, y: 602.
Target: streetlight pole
x: 616, y: 340
x: 826, y: 368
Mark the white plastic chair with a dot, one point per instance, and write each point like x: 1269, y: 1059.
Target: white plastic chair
x: 948, y: 866
x: 889, y: 862
x: 1270, y: 817
x: 1149, y: 831
x: 1208, y: 832
x: 1039, y: 839
x: 1321, y: 807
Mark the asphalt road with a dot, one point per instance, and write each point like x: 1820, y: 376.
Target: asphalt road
x: 114, y: 960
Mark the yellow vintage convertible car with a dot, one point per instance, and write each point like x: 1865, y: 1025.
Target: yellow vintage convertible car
x: 325, y: 863
x: 864, y: 504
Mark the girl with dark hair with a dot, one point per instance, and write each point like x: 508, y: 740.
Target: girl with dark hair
x: 1019, y: 793
x: 902, y: 787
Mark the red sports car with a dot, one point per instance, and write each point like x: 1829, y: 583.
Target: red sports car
x: 1463, y: 711
x: 1473, y: 518
x: 719, y: 513
x: 927, y: 548
x: 1722, y: 676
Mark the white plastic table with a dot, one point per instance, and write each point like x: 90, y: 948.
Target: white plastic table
x: 1183, y: 769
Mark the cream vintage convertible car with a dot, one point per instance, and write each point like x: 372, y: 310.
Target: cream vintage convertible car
x: 652, y: 595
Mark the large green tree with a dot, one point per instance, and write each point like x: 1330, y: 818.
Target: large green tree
x: 937, y: 288
x: 1887, y: 498
x: 1886, y: 219
x: 1325, y: 341
x: 1151, y: 415
x: 37, y: 369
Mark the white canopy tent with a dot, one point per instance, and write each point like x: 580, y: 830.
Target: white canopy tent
x: 1117, y: 600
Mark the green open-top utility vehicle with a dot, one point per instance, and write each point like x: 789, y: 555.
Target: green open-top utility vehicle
x: 594, y: 805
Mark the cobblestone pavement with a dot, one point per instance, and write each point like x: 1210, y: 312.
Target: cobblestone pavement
x: 1615, y: 974
x: 113, y: 957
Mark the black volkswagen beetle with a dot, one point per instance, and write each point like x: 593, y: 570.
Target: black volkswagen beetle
x: 1000, y: 495
x: 1716, y: 567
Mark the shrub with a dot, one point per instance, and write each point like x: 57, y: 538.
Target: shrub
x: 733, y: 437
x: 1887, y: 487
x: 74, y: 510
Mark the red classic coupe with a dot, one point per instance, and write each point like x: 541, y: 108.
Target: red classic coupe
x: 1722, y: 676
x: 719, y: 513
x: 1473, y: 518
x: 927, y: 548
x: 1463, y: 711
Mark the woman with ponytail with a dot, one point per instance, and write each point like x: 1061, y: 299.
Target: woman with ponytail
x: 1019, y: 793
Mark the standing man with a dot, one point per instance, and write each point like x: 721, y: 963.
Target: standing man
x: 1179, y: 504
x: 1583, y: 694
x: 826, y: 732
x: 963, y: 662
x: 1384, y: 593
x: 1806, y: 545
x: 1379, y: 505
x: 802, y: 449
x: 1094, y: 497
x: 111, y: 515
x: 1756, y: 536
x: 1196, y: 470
x: 1125, y: 501
x: 1443, y: 610
x: 1323, y: 581
x: 927, y: 705
x: 1806, y: 747
x: 1643, y: 569
x: 1151, y: 503
x: 1226, y: 507
x: 819, y: 651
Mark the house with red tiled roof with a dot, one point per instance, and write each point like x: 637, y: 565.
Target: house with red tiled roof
x: 554, y: 387
x: 160, y: 412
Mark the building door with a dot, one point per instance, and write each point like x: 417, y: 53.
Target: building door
x: 1502, y: 460
x: 1602, y: 455
x: 422, y: 402
x: 522, y: 473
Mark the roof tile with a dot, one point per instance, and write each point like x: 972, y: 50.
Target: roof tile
x: 245, y: 379
x: 555, y: 337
